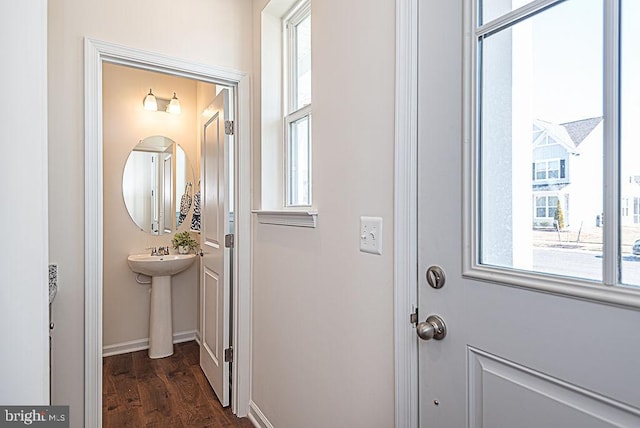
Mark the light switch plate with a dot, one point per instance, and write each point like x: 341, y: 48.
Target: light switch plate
x: 371, y: 235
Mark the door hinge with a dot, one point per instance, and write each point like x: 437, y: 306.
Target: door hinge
x: 228, y: 127
x: 229, y: 240
x: 228, y: 355
x: 413, y: 318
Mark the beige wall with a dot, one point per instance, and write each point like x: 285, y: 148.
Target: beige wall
x: 125, y: 122
x: 212, y: 32
x: 323, y: 311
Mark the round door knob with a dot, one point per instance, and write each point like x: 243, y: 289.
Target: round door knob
x: 433, y: 328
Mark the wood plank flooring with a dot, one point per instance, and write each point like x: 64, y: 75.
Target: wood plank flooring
x: 167, y: 392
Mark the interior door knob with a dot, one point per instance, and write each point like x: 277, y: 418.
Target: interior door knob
x: 433, y: 328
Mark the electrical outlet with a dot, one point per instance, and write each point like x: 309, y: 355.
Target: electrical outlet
x: 371, y: 235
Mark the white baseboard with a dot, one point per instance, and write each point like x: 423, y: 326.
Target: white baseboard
x: 257, y: 418
x: 141, y: 344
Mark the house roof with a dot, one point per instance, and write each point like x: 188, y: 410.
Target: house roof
x: 580, y: 129
x: 570, y: 134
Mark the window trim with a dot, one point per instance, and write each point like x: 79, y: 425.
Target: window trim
x: 271, y: 195
x: 606, y: 291
x: 297, y: 218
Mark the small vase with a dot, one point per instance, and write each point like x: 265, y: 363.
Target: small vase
x: 183, y: 249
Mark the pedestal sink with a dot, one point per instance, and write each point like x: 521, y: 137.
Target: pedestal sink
x: 160, y: 269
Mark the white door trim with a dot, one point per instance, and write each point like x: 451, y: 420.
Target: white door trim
x: 95, y: 53
x: 405, y: 214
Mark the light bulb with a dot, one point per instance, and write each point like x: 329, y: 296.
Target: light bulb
x: 150, y: 102
x: 174, y: 105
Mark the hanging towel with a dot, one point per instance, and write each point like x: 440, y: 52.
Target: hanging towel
x: 195, y: 220
x: 185, y: 204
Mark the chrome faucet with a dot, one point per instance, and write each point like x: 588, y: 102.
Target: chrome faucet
x: 159, y: 251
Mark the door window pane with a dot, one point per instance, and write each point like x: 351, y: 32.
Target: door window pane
x: 541, y: 102
x: 630, y: 143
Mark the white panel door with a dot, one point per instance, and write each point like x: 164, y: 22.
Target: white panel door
x: 512, y: 357
x: 215, y: 267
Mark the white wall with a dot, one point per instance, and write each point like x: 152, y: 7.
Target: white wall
x: 212, y: 32
x: 24, y: 312
x: 323, y: 311
x: 585, y: 190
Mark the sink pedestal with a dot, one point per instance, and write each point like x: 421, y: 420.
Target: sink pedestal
x: 160, y: 269
x: 160, y: 320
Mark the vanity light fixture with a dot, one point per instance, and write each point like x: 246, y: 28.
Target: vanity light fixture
x: 150, y: 102
x: 153, y: 103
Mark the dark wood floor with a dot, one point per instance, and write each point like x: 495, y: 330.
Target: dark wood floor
x: 167, y: 392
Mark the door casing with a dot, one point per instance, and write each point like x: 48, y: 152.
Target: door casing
x: 405, y: 215
x: 96, y: 52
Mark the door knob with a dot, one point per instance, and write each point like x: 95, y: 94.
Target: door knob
x: 433, y: 328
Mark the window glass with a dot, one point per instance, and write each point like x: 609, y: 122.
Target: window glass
x: 298, y: 157
x: 630, y: 143
x: 540, y: 89
x: 492, y: 9
x: 303, y: 63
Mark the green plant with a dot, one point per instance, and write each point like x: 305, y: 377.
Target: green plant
x: 559, y: 216
x: 184, y: 239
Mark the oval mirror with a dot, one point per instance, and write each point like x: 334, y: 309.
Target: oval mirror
x: 157, y: 185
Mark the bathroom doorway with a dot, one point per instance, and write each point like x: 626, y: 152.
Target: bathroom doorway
x: 101, y: 60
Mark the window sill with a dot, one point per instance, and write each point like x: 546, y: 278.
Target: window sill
x: 297, y: 218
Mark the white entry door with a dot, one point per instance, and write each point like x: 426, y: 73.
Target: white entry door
x: 215, y: 289
x: 534, y: 337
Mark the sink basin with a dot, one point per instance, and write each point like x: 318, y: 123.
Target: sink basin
x: 160, y: 265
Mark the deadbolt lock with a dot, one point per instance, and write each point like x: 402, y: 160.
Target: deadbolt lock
x: 435, y: 277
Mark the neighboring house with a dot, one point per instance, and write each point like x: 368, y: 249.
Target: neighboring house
x: 630, y: 200
x: 567, y: 168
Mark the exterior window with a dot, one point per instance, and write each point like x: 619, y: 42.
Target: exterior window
x: 297, y: 118
x: 546, y: 206
x: 549, y: 170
